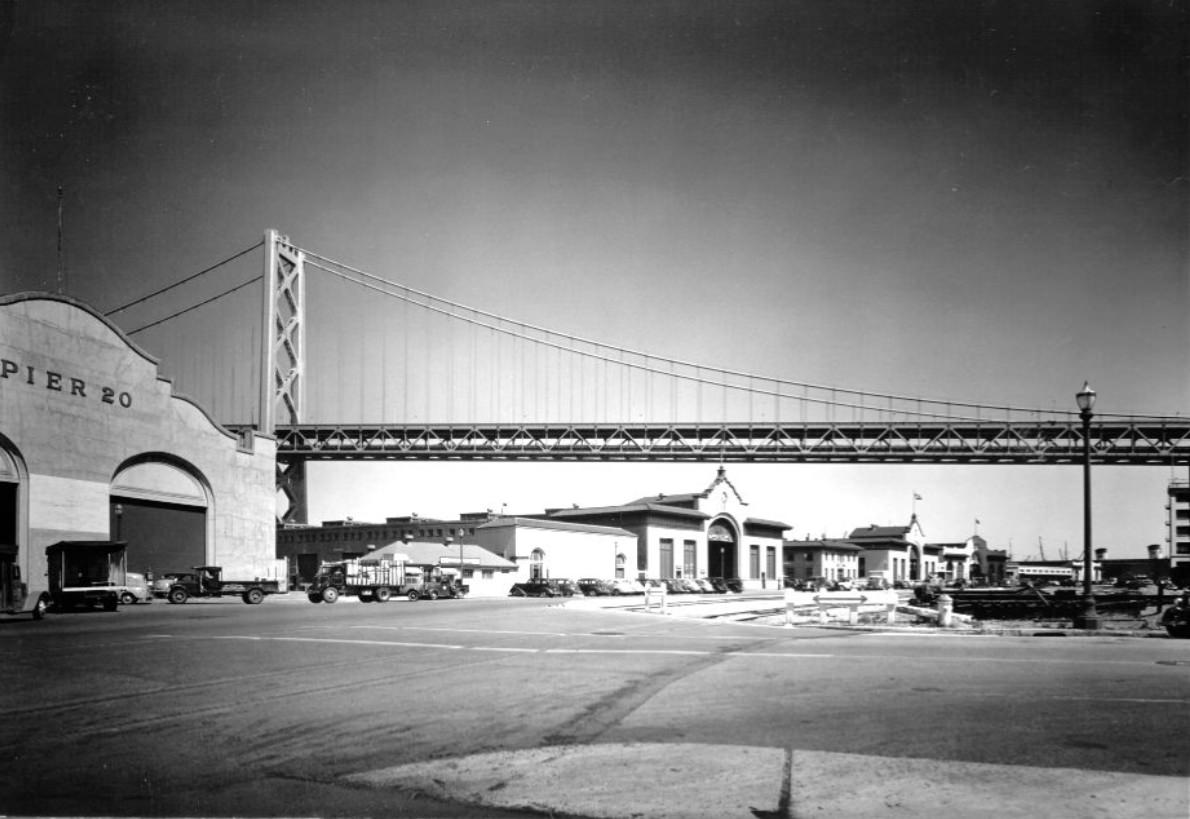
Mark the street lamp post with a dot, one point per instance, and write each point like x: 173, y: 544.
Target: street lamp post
x: 461, y: 533
x: 1089, y: 618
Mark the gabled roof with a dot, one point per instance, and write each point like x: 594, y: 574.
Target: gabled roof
x: 875, y: 532
x: 432, y: 553
x: 816, y: 545
x: 657, y: 508
x: 558, y: 525
x: 772, y: 524
x: 691, y: 499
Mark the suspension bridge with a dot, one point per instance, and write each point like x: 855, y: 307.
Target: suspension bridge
x: 427, y: 378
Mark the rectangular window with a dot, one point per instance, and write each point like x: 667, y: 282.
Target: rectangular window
x: 754, y: 561
x: 487, y: 574
x: 667, y: 557
x: 771, y: 561
x: 690, y: 555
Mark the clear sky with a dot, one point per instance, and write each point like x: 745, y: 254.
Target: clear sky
x: 979, y: 201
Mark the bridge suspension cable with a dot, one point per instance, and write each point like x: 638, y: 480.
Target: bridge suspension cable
x: 186, y: 280
x: 751, y: 384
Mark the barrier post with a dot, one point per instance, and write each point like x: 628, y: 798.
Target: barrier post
x: 945, y: 609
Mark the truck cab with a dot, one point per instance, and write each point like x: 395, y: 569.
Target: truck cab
x: 14, y: 590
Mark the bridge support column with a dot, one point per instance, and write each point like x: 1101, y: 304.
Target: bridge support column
x: 291, y: 482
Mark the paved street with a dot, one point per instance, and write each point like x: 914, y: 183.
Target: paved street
x: 520, y: 707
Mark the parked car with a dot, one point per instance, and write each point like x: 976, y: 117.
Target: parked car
x: 719, y: 583
x: 136, y: 589
x: 624, y: 586
x: 594, y: 587
x: 162, y: 583
x: 690, y: 585
x: 734, y: 584
x: 674, y: 585
x: 542, y: 587
x: 705, y: 586
x: 1176, y: 618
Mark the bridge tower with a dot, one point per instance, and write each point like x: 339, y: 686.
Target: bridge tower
x: 284, y: 358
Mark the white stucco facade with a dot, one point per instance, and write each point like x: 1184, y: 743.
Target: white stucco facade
x: 556, y: 549
x: 87, y: 420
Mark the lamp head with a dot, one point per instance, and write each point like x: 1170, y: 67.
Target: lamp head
x: 1085, y: 398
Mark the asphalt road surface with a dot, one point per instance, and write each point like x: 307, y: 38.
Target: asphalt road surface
x: 500, y: 708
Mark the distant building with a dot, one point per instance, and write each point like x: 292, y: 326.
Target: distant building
x: 1157, y: 566
x: 972, y: 561
x: 895, y: 552
x: 542, y: 548
x: 828, y: 559
x: 696, y: 534
x: 305, y: 547
x: 1041, y: 571
x: 1179, y: 531
x: 485, y: 574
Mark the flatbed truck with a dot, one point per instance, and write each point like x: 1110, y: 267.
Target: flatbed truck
x: 207, y: 581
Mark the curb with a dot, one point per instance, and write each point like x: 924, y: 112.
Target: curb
x: 634, y: 607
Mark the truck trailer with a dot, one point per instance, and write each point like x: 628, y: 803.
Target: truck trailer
x: 377, y: 580
x: 86, y: 573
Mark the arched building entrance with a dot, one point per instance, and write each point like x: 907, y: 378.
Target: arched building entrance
x: 722, y: 549
x: 159, y: 507
x: 12, y: 571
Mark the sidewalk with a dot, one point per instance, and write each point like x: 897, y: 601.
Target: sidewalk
x: 725, y: 781
x: 769, y: 611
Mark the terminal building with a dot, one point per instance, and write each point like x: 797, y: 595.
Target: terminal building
x: 697, y: 534
x: 95, y: 445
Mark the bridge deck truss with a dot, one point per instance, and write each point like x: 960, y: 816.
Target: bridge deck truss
x: 1165, y: 442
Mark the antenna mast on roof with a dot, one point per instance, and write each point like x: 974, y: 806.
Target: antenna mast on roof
x: 61, y: 269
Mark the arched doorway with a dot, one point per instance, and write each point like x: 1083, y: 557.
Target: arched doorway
x: 10, y: 532
x: 10, y: 491
x: 159, y: 507
x: 722, y: 548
